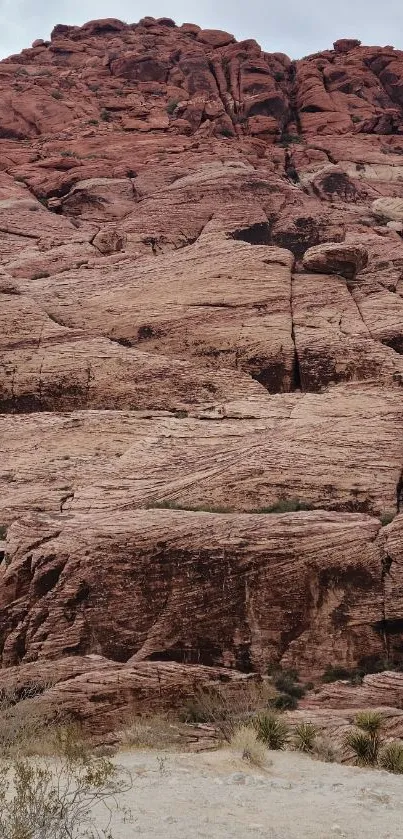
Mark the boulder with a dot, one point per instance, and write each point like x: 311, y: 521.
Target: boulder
x: 214, y: 37
x: 345, y: 45
x: 388, y: 208
x: 109, y: 241
x: 336, y: 258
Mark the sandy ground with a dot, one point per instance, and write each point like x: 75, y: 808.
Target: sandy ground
x: 216, y: 795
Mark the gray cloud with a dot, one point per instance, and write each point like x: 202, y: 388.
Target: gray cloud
x: 294, y: 27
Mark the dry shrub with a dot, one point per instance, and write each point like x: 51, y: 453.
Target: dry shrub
x: 51, y: 795
x: 23, y: 724
x: 156, y: 732
x: 228, y: 705
x: 245, y: 742
x: 324, y: 749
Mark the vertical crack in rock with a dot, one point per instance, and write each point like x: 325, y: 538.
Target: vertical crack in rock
x: 399, y: 492
x: 386, y: 564
x: 357, y: 305
x: 65, y: 498
x: 296, y: 382
x: 220, y: 73
x: 293, y: 114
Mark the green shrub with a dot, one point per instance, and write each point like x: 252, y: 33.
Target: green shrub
x: 287, y: 139
x: 366, y: 665
x: 3, y: 531
x: 284, y: 702
x: 172, y: 105
x: 355, y: 118
x: 274, y: 670
x: 391, y: 757
x: 279, y: 77
x: 57, y: 94
x: 93, y: 122
x: 272, y: 730
x: 286, y: 505
x: 168, y: 504
x: 105, y: 115
x: 304, y: 736
x: 40, y: 275
x: 286, y: 682
x: 335, y: 674
x: 226, y: 132
x: 387, y: 517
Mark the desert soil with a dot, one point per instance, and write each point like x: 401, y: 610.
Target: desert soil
x: 216, y: 795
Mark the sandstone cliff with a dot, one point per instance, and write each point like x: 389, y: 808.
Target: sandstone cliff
x: 201, y: 371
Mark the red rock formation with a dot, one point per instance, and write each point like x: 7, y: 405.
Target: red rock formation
x: 201, y: 289
x: 102, y: 695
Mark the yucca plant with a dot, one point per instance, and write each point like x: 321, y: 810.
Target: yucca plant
x: 365, y: 741
x: 391, y: 757
x: 304, y: 736
x: 272, y: 730
x: 369, y: 721
x: 364, y: 748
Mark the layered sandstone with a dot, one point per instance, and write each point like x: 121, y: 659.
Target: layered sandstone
x: 201, y: 363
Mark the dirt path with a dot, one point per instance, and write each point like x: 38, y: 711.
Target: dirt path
x: 215, y: 795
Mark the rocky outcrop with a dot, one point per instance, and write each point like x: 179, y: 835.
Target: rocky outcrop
x: 101, y: 695
x: 201, y: 361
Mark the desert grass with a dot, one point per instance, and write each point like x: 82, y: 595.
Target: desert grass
x: 157, y: 731
x: 245, y: 743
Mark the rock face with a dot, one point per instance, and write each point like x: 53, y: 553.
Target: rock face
x: 201, y: 365
x: 192, y: 587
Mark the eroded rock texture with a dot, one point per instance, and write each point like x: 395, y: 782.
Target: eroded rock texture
x: 201, y: 370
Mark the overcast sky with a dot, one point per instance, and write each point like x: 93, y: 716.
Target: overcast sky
x: 296, y: 27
